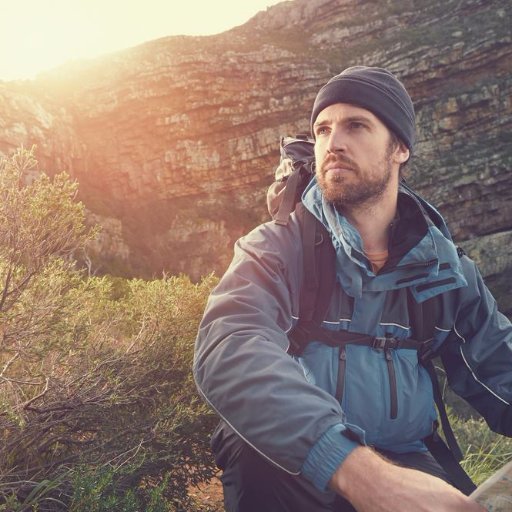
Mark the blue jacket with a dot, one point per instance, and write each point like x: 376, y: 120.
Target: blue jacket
x: 285, y: 407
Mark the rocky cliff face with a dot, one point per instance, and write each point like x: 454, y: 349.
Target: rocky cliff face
x: 174, y: 141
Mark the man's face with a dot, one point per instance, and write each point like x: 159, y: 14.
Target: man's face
x: 356, y: 158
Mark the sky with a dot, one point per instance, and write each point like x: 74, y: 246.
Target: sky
x: 36, y: 35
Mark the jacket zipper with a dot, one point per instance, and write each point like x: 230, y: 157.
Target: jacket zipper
x: 424, y: 264
x: 342, y: 362
x: 393, y: 399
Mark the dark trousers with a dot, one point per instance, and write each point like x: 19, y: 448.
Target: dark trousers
x: 252, y: 484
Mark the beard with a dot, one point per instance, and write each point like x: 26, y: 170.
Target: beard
x: 362, y: 188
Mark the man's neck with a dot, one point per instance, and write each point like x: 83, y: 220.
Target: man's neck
x: 373, y: 222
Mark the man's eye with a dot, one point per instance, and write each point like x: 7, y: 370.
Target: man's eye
x: 355, y: 125
x: 321, y: 130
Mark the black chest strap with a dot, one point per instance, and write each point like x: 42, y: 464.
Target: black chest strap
x: 448, y: 454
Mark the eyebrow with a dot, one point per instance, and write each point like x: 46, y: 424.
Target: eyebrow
x: 359, y: 119
x: 350, y: 119
x: 321, y: 123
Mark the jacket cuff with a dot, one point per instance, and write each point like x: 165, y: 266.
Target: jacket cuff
x: 329, y: 452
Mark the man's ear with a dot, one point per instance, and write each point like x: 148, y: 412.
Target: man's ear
x: 402, y: 153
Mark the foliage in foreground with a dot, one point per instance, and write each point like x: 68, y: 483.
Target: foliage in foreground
x: 485, y: 451
x: 98, y: 408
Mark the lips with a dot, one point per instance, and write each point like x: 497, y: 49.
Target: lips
x: 339, y: 165
x: 338, y: 168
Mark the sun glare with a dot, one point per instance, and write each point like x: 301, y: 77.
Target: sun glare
x: 40, y: 35
x: 37, y: 35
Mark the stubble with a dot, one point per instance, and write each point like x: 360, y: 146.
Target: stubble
x: 358, y: 188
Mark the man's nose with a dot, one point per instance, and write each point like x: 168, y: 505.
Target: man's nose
x: 336, y: 141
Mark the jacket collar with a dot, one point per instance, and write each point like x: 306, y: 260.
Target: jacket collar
x: 422, y: 254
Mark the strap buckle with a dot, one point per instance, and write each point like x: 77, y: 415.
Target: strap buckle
x: 379, y: 343
x: 382, y: 343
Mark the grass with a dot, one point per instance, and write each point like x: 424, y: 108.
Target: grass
x: 486, y: 451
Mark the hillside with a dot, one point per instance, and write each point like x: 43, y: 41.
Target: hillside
x: 175, y: 141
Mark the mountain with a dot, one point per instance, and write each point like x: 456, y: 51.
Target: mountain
x: 174, y: 141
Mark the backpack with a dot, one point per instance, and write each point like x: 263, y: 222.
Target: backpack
x: 295, y: 171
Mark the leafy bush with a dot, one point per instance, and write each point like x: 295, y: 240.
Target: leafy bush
x: 98, y: 408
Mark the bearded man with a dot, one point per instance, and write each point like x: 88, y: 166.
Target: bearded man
x: 343, y: 428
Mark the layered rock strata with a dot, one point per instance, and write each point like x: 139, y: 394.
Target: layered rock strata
x: 175, y: 141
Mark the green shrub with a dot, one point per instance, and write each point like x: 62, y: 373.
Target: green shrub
x: 99, y: 410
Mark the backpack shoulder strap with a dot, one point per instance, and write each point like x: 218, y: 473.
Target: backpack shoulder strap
x: 318, y: 275
x: 424, y: 316
x: 447, y: 454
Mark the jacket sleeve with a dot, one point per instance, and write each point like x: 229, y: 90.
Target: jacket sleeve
x: 243, y: 371
x: 478, y: 353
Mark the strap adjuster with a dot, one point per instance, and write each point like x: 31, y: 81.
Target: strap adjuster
x: 382, y: 343
x: 379, y: 343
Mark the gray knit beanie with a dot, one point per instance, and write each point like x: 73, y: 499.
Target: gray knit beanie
x: 376, y: 90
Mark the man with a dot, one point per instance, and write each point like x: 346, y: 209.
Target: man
x: 287, y: 442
